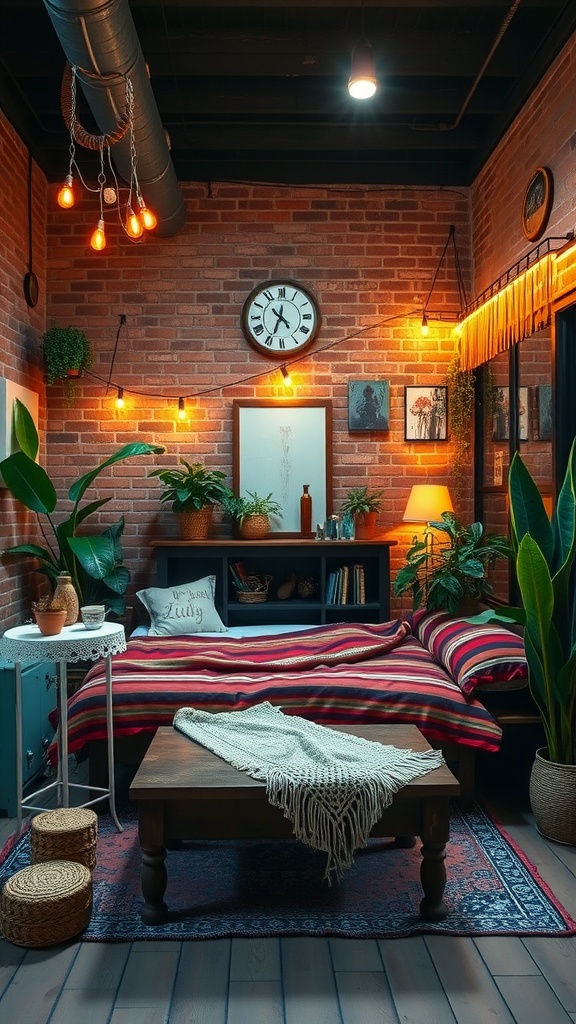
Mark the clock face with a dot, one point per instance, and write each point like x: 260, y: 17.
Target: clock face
x: 280, y: 318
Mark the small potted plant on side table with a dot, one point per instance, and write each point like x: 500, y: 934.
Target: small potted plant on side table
x: 363, y: 506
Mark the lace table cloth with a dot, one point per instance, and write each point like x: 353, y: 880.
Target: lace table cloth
x: 74, y: 643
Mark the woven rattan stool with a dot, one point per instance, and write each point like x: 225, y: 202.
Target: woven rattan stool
x: 69, y: 833
x: 46, y: 904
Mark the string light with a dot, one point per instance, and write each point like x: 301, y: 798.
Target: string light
x: 65, y: 196
x: 98, y: 240
x: 133, y: 225
x: 181, y: 409
x: 286, y: 376
x: 120, y: 398
x: 424, y: 326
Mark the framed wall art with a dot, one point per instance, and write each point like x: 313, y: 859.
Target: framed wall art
x: 425, y: 413
x: 368, y: 405
x: 501, y: 414
x: 544, y: 411
x: 278, y: 446
x: 9, y: 391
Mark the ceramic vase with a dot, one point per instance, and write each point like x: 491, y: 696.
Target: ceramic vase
x: 306, y: 511
x: 66, y: 594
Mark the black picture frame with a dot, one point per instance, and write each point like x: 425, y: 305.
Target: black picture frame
x: 425, y: 412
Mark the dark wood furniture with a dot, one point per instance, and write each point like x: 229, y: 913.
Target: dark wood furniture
x: 184, y: 791
x: 184, y: 561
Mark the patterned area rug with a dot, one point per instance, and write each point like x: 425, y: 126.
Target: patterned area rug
x: 252, y: 888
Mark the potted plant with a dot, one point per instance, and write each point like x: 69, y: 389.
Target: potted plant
x: 252, y: 513
x: 67, y: 353
x: 50, y: 615
x: 94, y: 563
x: 193, y: 492
x: 545, y: 550
x: 452, y: 578
x: 363, y: 505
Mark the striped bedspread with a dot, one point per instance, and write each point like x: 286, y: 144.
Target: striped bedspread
x: 342, y: 674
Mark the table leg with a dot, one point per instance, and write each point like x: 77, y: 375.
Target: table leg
x: 433, y: 878
x: 19, y: 768
x: 63, y: 731
x: 110, y: 735
x: 153, y: 880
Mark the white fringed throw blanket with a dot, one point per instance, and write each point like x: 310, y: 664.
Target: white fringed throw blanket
x: 331, y: 785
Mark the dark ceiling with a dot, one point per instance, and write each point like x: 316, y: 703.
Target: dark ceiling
x: 258, y: 92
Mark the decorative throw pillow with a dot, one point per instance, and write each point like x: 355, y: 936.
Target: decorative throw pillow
x: 182, y: 608
x: 484, y: 655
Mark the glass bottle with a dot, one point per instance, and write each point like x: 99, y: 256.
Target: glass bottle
x: 65, y: 592
x: 306, y: 512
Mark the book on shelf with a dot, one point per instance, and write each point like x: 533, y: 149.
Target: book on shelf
x: 239, y: 575
x: 359, y: 585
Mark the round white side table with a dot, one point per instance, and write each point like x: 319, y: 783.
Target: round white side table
x: 74, y: 643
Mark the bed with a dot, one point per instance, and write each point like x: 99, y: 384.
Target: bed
x: 428, y: 670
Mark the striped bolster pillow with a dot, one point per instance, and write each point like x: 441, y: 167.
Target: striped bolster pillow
x: 481, y: 655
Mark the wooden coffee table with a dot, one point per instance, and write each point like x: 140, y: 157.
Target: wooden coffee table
x: 184, y: 791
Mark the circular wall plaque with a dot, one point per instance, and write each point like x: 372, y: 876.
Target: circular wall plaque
x: 537, y: 203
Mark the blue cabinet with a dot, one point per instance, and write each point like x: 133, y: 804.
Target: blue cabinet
x: 39, y: 697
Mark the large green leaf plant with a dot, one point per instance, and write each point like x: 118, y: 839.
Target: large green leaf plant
x: 545, y: 549
x: 94, y: 561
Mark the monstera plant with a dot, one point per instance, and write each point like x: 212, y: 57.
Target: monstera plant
x: 94, y: 561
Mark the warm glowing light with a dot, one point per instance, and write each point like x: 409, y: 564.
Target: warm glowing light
x: 65, y: 196
x: 362, y: 83
x: 133, y: 225
x: 426, y: 503
x: 181, y: 409
x: 98, y: 240
x: 120, y: 399
x: 286, y: 376
x: 424, y: 325
x: 148, y: 219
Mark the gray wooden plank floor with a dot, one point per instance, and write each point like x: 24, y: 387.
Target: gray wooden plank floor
x: 433, y: 979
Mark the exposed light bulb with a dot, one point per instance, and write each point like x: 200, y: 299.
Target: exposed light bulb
x: 286, y: 376
x: 133, y: 226
x: 120, y: 398
x: 181, y: 409
x: 65, y: 196
x: 424, y: 325
x: 148, y: 219
x: 98, y: 240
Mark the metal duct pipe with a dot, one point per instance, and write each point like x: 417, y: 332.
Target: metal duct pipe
x: 100, y: 36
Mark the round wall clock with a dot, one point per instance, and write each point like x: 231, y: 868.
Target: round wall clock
x: 537, y: 203
x: 280, y: 318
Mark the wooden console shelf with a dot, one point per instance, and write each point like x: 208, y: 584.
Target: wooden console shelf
x: 181, y: 561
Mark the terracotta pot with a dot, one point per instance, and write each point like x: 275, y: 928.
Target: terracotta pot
x: 553, y: 798
x: 50, y: 622
x: 255, y: 527
x: 195, y: 524
x: 365, y: 525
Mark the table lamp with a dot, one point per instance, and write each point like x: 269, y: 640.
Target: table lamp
x: 426, y: 504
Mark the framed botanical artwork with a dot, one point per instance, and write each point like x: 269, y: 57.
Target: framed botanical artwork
x: 278, y: 446
x: 501, y: 414
x: 425, y: 413
x: 544, y: 411
x: 368, y: 405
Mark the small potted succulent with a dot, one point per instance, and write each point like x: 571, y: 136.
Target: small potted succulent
x: 193, y: 492
x: 363, y: 506
x: 67, y: 353
x: 252, y: 513
x: 50, y: 613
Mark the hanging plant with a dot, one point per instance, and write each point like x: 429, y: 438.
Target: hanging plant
x: 461, y: 397
x: 67, y: 353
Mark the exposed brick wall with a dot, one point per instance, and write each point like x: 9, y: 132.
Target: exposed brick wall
x: 368, y: 257
x: 19, y: 351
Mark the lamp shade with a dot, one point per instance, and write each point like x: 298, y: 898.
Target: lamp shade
x: 362, y: 83
x: 427, y: 502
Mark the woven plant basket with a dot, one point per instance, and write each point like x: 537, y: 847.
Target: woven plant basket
x: 553, y: 798
x: 69, y: 833
x: 46, y: 904
x: 258, y: 591
x: 255, y: 527
x: 195, y: 524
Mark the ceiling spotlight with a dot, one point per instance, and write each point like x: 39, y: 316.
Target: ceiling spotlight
x: 362, y: 83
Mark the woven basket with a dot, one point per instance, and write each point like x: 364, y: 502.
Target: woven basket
x: 258, y: 591
x: 553, y: 798
x: 46, y: 904
x: 69, y: 833
x: 195, y: 524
